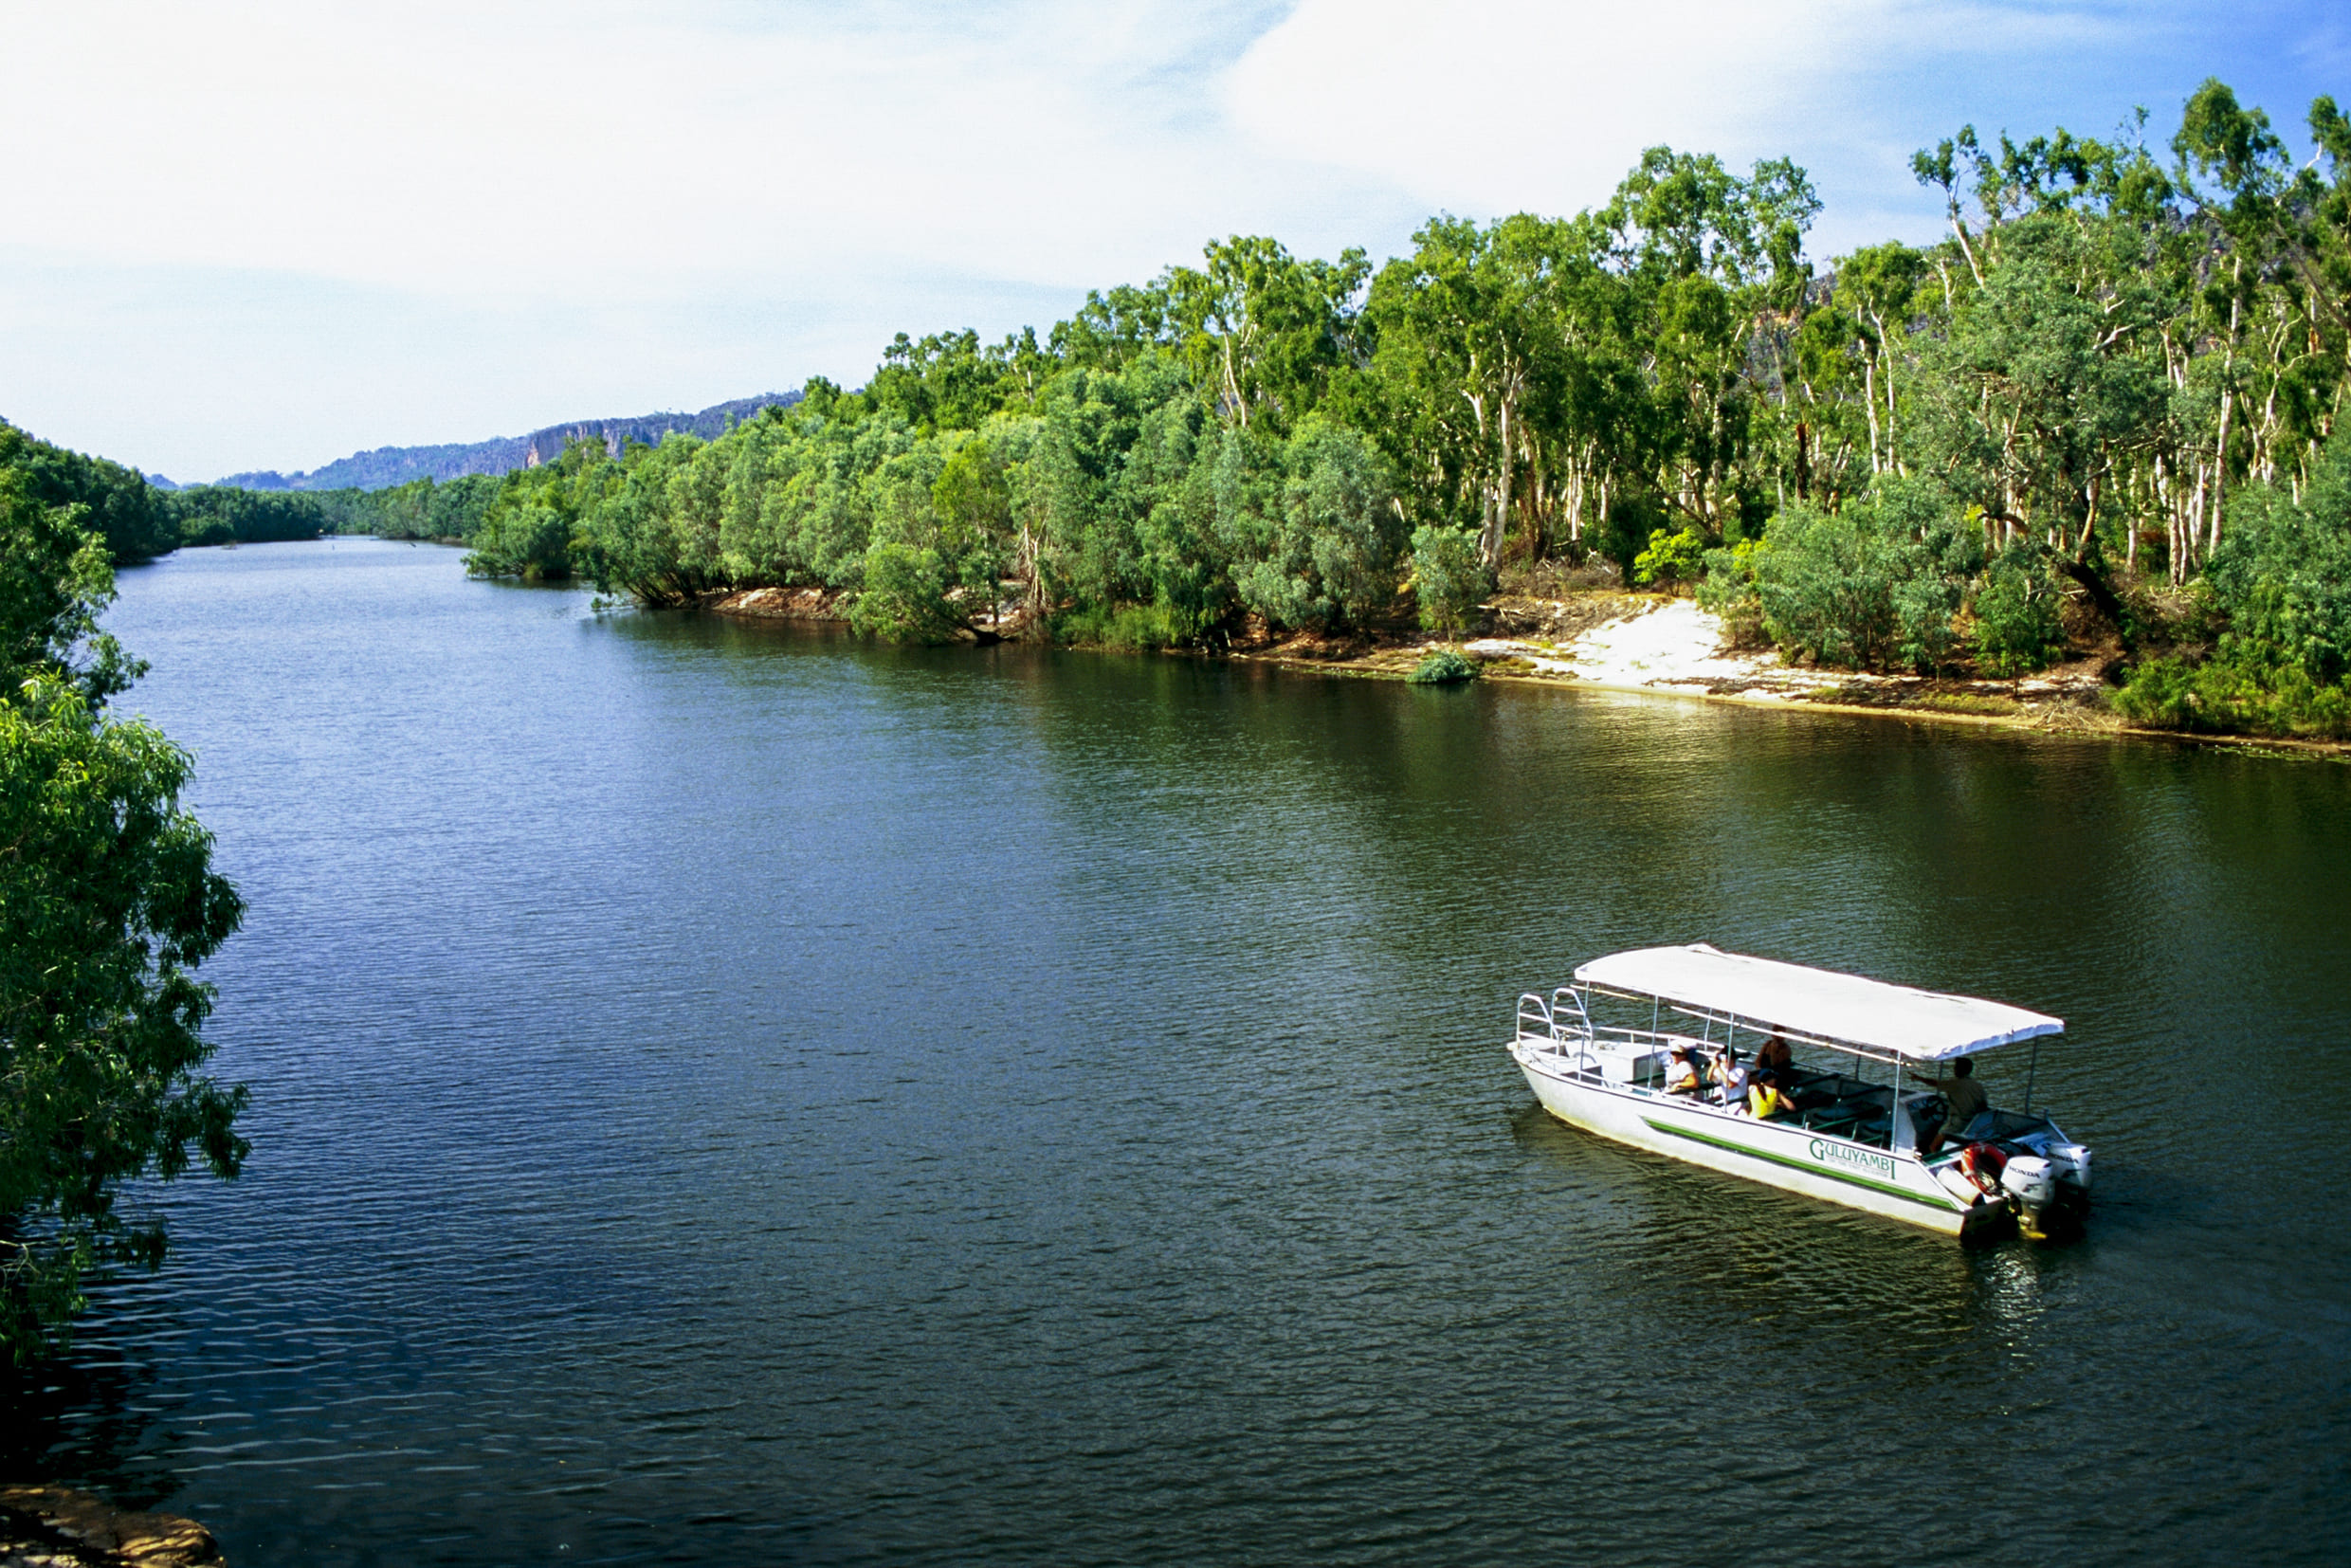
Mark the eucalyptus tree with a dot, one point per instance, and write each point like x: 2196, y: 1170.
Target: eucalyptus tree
x: 1716, y: 287
x: 1261, y: 331
x: 2041, y: 391
x: 1465, y: 331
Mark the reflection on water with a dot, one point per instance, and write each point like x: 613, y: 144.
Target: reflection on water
x: 733, y: 1094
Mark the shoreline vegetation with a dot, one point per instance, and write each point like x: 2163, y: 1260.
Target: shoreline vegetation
x: 1658, y: 645
x: 2088, y: 429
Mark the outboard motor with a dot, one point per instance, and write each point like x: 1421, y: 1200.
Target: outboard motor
x: 2029, y: 1185
x: 2028, y: 1179
x: 2070, y: 1164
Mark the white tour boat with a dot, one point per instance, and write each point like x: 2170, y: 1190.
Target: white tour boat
x: 1850, y: 1128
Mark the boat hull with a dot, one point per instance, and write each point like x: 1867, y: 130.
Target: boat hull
x: 1775, y: 1154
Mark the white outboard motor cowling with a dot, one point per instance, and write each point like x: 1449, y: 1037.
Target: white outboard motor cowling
x: 2070, y: 1162
x: 2030, y: 1180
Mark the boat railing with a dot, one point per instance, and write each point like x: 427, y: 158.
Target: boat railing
x: 1559, y: 1020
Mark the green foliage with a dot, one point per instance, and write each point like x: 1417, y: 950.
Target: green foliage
x: 1444, y: 667
x: 1873, y: 585
x: 1729, y: 590
x: 2243, y: 689
x: 1127, y: 626
x: 1310, y: 527
x: 530, y: 531
x: 1671, y: 558
x: 2016, y: 628
x: 905, y: 596
x: 108, y: 903
x: 2283, y: 573
x: 54, y: 584
x: 222, y: 514
x: 425, y: 508
x: 1448, y: 578
x: 134, y: 518
x: 2282, y: 577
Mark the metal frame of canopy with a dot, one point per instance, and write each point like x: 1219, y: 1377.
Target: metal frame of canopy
x: 1689, y: 972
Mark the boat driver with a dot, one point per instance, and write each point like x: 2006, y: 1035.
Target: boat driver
x: 1964, y: 1100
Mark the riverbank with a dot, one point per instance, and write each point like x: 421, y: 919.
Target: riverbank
x: 1615, y: 640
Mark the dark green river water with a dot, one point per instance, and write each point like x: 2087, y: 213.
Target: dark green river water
x: 733, y: 1094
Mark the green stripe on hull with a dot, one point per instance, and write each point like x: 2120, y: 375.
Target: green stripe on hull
x: 1885, y: 1187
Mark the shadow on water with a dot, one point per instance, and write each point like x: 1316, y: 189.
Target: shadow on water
x: 94, y: 1413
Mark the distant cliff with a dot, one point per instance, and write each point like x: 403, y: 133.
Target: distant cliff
x: 390, y: 465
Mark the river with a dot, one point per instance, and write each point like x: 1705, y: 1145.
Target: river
x: 730, y: 1093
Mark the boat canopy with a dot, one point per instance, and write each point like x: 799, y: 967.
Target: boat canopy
x: 1921, y: 1026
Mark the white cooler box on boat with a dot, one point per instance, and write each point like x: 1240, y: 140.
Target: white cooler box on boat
x: 1630, y: 1064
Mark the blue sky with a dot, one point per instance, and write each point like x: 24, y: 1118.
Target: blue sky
x: 266, y: 234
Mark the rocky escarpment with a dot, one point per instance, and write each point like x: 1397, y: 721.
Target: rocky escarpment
x: 53, y: 1527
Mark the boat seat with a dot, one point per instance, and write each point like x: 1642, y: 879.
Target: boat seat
x: 1831, y: 1117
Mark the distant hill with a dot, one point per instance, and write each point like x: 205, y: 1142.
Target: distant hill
x: 390, y: 465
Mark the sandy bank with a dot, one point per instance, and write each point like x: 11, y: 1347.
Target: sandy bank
x: 1655, y: 643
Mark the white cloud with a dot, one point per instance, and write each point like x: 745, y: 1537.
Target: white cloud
x: 1492, y: 106
x: 255, y: 234
x: 1500, y: 105
x: 536, y: 146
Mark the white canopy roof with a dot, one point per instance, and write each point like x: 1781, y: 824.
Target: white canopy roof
x: 1923, y: 1026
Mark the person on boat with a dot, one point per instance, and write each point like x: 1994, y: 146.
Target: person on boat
x: 1963, y: 1099
x: 1765, y: 1098
x: 1682, y: 1073
x: 1774, y: 1056
x: 1729, y: 1077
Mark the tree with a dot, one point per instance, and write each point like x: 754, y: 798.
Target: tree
x: 1262, y: 330
x: 1463, y: 323
x: 108, y: 903
x: 136, y: 519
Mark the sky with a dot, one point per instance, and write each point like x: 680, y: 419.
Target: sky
x: 267, y: 234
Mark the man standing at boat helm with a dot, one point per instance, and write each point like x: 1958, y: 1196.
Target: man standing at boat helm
x: 1964, y: 1100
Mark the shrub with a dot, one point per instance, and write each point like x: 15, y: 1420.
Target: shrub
x: 1127, y: 625
x: 2016, y: 626
x: 2241, y: 689
x: 1444, y: 667
x: 2282, y: 572
x: 1312, y: 526
x: 2282, y: 577
x: 1873, y: 584
x: 1671, y: 558
x: 1448, y: 578
x: 1729, y: 590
